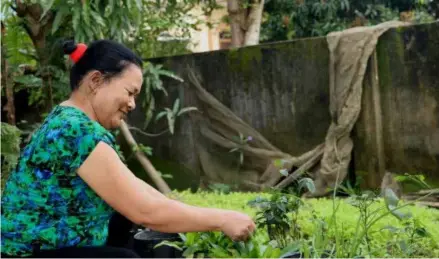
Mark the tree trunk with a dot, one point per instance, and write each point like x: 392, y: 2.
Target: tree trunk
x: 9, y: 86
x: 254, y: 23
x: 38, y: 29
x: 245, y: 21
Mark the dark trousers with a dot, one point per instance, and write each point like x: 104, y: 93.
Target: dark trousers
x: 118, y: 244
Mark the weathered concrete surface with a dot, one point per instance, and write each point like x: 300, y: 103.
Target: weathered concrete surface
x: 279, y: 89
x: 282, y: 91
x: 408, y: 64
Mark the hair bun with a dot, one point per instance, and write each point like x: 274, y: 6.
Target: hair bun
x: 75, y: 51
x: 69, y: 47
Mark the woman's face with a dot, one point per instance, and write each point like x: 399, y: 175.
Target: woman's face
x: 114, y: 98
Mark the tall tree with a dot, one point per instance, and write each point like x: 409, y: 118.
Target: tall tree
x: 46, y: 21
x: 245, y: 18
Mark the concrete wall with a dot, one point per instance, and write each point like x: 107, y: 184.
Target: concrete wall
x: 408, y: 64
x: 282, y: 90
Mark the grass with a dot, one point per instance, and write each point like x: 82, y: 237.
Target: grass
x: 385, y: 240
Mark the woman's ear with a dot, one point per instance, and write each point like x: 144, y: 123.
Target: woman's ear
x: 96, y: 80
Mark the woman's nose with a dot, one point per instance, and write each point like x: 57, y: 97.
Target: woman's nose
x: 132, y: 104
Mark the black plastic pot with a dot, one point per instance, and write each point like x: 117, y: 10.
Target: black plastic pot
x: 145, y: 241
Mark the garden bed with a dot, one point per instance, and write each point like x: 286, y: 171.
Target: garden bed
x: 315, y: 231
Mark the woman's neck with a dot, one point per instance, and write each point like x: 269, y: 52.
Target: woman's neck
x: 78, y: 101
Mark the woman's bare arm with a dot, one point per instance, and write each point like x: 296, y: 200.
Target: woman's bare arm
x: 105, y: 173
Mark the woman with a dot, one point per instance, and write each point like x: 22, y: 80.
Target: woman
x: 70, y: 179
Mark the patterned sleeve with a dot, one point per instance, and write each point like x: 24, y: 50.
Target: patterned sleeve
x: 82, y: 138
x: 66, y: 141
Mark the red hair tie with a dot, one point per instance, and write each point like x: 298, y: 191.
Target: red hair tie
x: 79, y: 52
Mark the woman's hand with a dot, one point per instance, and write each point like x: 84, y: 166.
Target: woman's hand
x: 237, y: 226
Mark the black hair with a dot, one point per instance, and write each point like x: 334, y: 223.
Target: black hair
x: 106, y: 56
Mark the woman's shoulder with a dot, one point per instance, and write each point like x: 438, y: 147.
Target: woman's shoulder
x: 67, y: 121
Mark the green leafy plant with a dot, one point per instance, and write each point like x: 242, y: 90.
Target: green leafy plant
x: 152, y: 75
x: 10, y: 149
x: 172, y: 115
x: 217, y: 245
x: 416, y: 179
x: 153, y: 83
x: 140, y: 147
x: 220, y: 188
x: 273, y: 215
x: 242, y: 141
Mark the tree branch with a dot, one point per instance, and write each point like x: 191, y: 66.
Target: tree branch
x: 146, y: 133
x: 144, y: 161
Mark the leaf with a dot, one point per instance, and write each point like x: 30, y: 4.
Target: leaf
x: 76, y: 17
x: 392, y: 202
x: 58, y: 19
x: 139, y: 4
x: 176, y: 245
x: 171, y: 75
x: 47, y: 5
x: 97, y: 18
x: 29, y: 80
x: 146, y: 150
x: 390, y: 198
x: 110, y: 8
x: 422, y: 232
x: 85, y: 13
x: 234, y: 149
x: 190, y: 238
x: 219, y: 252
x: 189, y: 252
x: 391, y: 229
x: 403, y: 245
x: 168, y: 176
x: 279, y: 163
x: 283, y: 172
x: 187, y: 109
x: 160, y: 115
x: 170, y: 117
x: 309, y: 183
x: 176, y: 106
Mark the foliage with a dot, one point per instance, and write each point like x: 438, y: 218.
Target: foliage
x: 94, y: 19
x: 136, y: 23
x: 153, y: 84
x: 160, y: 19
x: 242, y: 141
x: 285, y: 19
x: 220, y: 188
x: 172, y: 115
x: 273, y: 215
x: 389, y: 236
x: 217, y: 245
x: 10, y: 149
x: 416, y: 179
